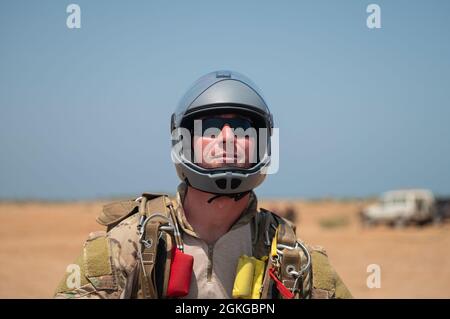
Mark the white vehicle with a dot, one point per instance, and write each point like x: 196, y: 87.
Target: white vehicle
x: 401, y: 207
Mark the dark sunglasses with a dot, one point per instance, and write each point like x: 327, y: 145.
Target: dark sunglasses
x: 219, y: 123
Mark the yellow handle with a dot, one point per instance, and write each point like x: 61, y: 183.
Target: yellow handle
x: 258, y: 277
x: 249, y: 277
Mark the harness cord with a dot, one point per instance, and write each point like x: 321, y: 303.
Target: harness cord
x: 236, y: 196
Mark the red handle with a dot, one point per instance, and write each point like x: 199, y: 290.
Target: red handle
x: 180, y: 274
x: 285, y: 292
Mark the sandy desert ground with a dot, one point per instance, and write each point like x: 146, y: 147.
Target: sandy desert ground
x: 39, y: 239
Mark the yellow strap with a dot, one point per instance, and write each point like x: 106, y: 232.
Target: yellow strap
x: 273, y: 250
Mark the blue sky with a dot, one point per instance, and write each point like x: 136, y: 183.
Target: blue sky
x: 84, y: 113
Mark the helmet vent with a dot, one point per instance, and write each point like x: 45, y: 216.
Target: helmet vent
x: 221, y: 183
x: 235, y: 183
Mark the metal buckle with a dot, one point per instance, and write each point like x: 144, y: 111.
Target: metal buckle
x: 296, y: 246
x: 147, y: 242
x: 143, y: 222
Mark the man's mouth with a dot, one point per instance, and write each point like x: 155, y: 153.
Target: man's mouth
x: 225, y: 159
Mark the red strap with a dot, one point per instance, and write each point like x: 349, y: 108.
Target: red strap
x: 285, y: 292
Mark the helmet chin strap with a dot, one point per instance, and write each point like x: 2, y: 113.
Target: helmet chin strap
x: 236, y: 196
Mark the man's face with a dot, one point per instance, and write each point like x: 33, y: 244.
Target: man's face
x: 219, y: 146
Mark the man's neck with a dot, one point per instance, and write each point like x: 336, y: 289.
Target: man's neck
x: 212, y: 220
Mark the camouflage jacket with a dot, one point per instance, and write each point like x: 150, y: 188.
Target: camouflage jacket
x: 108, y: 264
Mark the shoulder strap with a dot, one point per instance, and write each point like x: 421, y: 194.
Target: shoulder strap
x: 263, y: 229
x: 113, y: 213
x: 156, y: 220
x: 155, y: 243
x: 292, y: 262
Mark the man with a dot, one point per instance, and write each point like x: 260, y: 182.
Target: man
x: 210, y: 241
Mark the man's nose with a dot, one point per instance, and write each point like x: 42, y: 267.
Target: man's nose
x: 227, y: 133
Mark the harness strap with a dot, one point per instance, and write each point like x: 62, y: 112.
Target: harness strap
x: 263, y: 230
x: 154, y: 214
x: 290, y: 261
x: 267, y: 283
x: 266, y: 225
x: 286, y: 235
x: 148, y: 259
